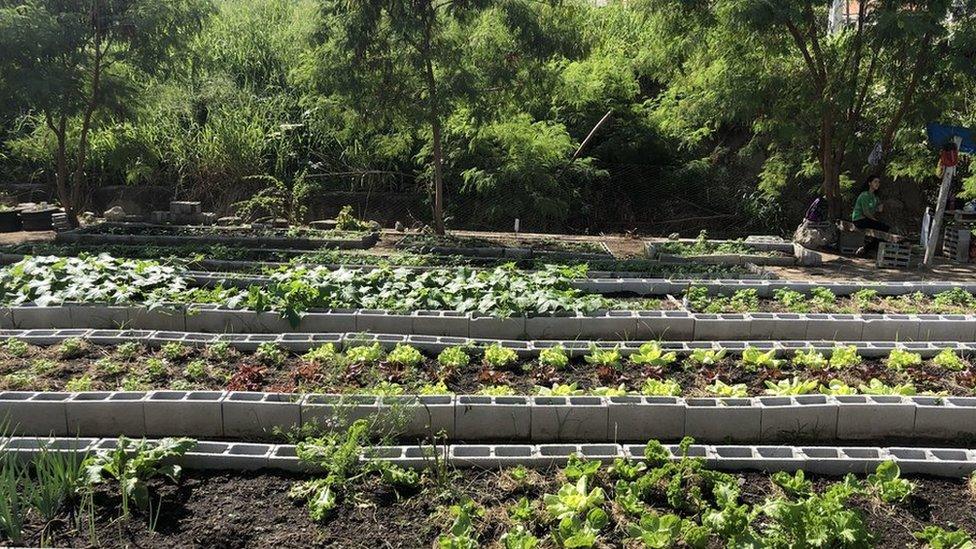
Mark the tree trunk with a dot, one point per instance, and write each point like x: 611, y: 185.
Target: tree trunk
x: 61, y: 164
x: 830, y: 166
x: 79, y: 174
x: 435, y: 128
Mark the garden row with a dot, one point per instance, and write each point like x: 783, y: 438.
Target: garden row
x: 500, y: 304
x: 361, y: 366
x: 651, y: 495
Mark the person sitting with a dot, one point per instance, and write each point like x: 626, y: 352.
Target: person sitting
x: 866, y: 210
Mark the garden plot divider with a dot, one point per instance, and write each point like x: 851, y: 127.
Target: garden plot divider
x: 302, y: 342
x: 826, y: 460
x: 615, y: 325
x: 95, y: 235
x: 250, y: 416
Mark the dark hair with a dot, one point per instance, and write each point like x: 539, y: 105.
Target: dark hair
x: 866, y: 186
x: 949, y: 145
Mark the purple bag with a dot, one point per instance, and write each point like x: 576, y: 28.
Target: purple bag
x: 816, y: 212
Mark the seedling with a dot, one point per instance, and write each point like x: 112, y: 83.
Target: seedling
x: 936, y: 537
x: 887, y: 485
x: 720, y: 389
x: 822, y: 298
x: 900, y: 359
x: 72, y: 347
x: 603, y: 358
x: 270, y: 354
x: 559, y: 390
x: 948, y: 359
x: 131, y: 464
x: 196, y: 370
x: 79, y: 384
x: 174, y: 351
x: 554, y: 357
x: 496, y: 390
x: 323, y: 354
x: 810, y: 359
x: 220, y: 351
x: 128, y: 351
x: 792, y: 301
x: 707, y: 357
x: 16, y: 348
x: 844, y: 357
x: 660, y: 387
x: 156, y: 369
x: 498, y: 357
x: 438, y: 388
x: 405, y: 355
x: 650, y: 354
x: 657, y: 531
x: 837, y: 387
x: 754, y: 359
x: 791, y: 387
x: 619, y: 390
x: 577, y: 467
x: 876, y: 387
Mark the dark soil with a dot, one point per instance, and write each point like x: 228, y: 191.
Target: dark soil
x: 232, y: 510
x: 44, y: 369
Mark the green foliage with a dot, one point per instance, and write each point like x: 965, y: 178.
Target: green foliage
x: 707, y: 357
x: 721, y: 389
x: 877, y: 387
x: 956, y: 297
x: 659, y: 387
x: 949, y: 360
x: 346, y: 221
x: 887, y: 485
x: 554, y: 357
x: 270, y: 354
x: 657, y: 531
x: 405, y: 355
x: 559, y: 389
x: 844, y: 357
x: 810, y: 359
x: 607, y: 358
x: 453, y: 358
x: 939, y: 538
x: 364, y: 354
x: 173, y: 350
x: 794, y: 486
x: 650, y: 354
x: 462, y: 534
x: 754, y: 359
x: 837, y: 387
x: 519, y: 537
x: 131, y: 464
x: 792, y: 386
x: 323, y: 354
x: 498, y: 357
x: 899, y: 359
x: 72, y: 347
x: 79, y: 384
x: 15, y: 347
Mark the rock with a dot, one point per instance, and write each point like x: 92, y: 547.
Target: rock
x: 87, y: 218
x: 375, y: 226
x: 399, y: 227
x: 674, y: 236
x: 280, y: 223
x: 115, y: 213
x: 228, y: 221
x: 208, y: 218
x: 815, y: 235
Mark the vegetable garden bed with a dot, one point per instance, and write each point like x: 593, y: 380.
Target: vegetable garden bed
x: 515, y: 248
x: 76, y: 365
x: 164, y: 235
x: 653, y: 502
x: 824, y: 300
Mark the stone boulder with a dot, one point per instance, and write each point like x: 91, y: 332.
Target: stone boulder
x: 115, y: 214
x: 815, y: 235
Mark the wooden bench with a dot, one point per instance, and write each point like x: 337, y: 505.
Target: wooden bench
x: 849, y: 227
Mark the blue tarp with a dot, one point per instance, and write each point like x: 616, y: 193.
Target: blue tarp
x: 938, y: 134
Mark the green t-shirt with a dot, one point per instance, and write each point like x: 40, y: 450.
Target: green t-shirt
x: 866, y: 203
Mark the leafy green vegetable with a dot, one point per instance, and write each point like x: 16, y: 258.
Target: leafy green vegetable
x: 887, y: 485
x: 650, y: 354
x: 131, y: 464
x: 554, y: 357
x: 754, y: 359
x: 899, y: 359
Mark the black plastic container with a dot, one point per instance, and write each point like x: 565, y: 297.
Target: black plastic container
x: 10, y: 221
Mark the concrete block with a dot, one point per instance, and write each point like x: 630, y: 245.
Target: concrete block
x: 97, y: 316
x: 942, y: 462
x: 834, y: 327
x: 493, y: 418
x: 493, y: 327
x: 34, y: 414
x: 615, y: 325
x: 25, y: 448
x: 723, y: 420
x: 806, y: 417
x: 832, y: 461
x: 890, y: 328
x: 105, y: 413
x: 223, y: 320
x: 672, y: 325
x: 26, y: 317
x: 562, y: 326
x: 711, y: 327
x: 247, y: 415
x: 778, y: 326
x: 946, y: 328
x: 945, y: 417
x: 285, y: 458
x: 419, y: 416
x: 337, y: 412
x: 168, y: 318
x: 638, y: 418
x: 383, y: 322
x: 194, y: 414
x: 7, y: 318
x: 569, y: 418
x: 440, y: 323
x: 334, y: 321
x: 874, y: 417
x: 227, y: 456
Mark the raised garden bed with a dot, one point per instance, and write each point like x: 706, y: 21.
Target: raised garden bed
x: 513, y: 248
x: 78, y: 365
x: 665, y: 502
x: 722, y: 252
x: 166, y: 235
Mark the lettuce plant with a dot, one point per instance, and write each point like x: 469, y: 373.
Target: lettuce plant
x: 876, y: 387
x: 606, y: 358
x: 619, y: 390
x: 810, y: 359
x: 754, y: 359
x: 453, y: 358
x: 899, y: 359
x: 720, y: 389
x: 554, y: 357
x: 496, y: 390
x: 559, y: 390
x: 844, y: 357
x: 651, y: 354
x: 948, y: 359
x: 837, y: 387
x: 792, y: 386
x: 791, y: 300
x: 365, y: 354
x: 405, y: 355
x: 270, y: 354
x: 498, y: 357
x: 659, y: 387
x: 707, y: 357
x: 939, y: 538
x: 887, y: 485
x: 656, y: 531
x: 793, y: 486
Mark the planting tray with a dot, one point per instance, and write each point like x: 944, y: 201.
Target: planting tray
x: 825, y: 460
